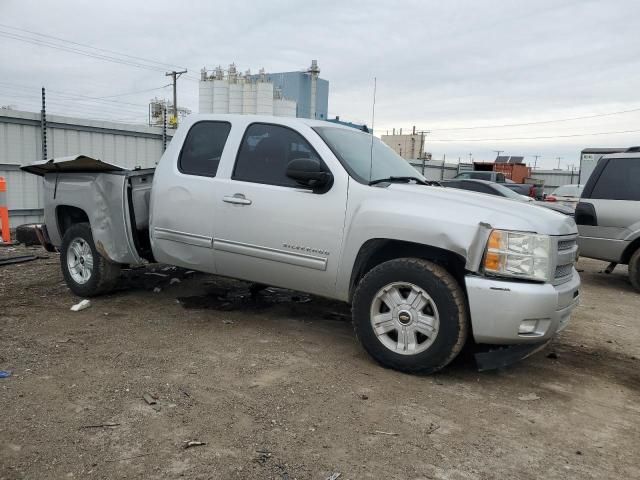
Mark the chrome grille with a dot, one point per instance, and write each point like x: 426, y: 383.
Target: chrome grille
x: 566, y: 244
x: 565, y: 258
x: 563, y: 270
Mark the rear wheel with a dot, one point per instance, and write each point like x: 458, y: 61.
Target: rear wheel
x: 410, y: 315
x: 86, y: 272
x: 634, y: 269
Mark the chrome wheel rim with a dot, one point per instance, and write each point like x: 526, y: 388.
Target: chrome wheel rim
x: 79, y: 261
x: 405, y: 318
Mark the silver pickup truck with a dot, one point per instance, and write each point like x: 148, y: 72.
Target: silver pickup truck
x: 328, y: 210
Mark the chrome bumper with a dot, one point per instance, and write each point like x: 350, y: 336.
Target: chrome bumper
x: 498, y: 308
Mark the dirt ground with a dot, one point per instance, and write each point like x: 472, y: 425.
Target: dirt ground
x: 277, y: 387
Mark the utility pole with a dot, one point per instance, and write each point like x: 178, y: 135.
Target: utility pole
x: 175, y: 75
x: 535, y: 162
x: 558, y: 158
x: 43, y: 126
x: 470, y: 157
x: 498, y: 152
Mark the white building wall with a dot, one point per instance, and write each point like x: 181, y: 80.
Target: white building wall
x: 284, y: 108
x: 220, y: 96
x: 264, y: 98
x: 249, y: 99
x: 235, y: 98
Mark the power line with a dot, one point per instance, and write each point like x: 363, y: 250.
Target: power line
x: 541, y: 122
x: 79, y: 52
x: 532, y: 138
x: 88, y: 46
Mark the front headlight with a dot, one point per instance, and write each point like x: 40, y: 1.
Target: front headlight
x: 518, y: 254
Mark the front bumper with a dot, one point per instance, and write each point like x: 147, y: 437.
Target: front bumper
x: 498, y: 308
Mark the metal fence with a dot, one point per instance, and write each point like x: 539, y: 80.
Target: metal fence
x: 440, y: 170
x: 21, y: 144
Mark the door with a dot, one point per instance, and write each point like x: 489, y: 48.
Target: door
x: 612, y: 219
x: 270, y: 229
x: 183, y: 197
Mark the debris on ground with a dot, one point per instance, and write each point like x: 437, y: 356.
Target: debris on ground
x: 163, y: 275
x: 192, y: 443
x: 334, y: 476
x: 174, y: 280
x: 263, y: 456
x: 81, y: 306
x: 149, y: 399
x: 380, y: 432
x: 364, y: 396
x: 5, y: 373
x: 529, y: 397
x: 552, y: 355
x: 432, y: 428
x: 157, y: 290
x: 17, y: 259
x: 101, y: 425
x: 227, y: 321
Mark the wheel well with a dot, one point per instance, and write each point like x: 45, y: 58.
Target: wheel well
x: 67, y: 216
x: 379, y: 250
x: 629, y: 251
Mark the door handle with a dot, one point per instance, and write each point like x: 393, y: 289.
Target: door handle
x: 238, y: 199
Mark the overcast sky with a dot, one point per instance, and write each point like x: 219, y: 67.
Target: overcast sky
x: 439, y: 65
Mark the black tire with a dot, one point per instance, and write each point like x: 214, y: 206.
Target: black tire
x: 634, y: 270
x: 104, y: 274
x: 448, y: 297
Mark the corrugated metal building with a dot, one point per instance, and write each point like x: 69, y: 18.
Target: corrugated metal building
x: 20, y: 144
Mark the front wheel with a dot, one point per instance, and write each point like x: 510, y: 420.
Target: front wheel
x: 410, y: 315
x: 86, y: 272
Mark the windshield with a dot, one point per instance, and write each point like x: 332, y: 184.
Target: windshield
x: 568, y: 191
x: 507, y: 192
x: 353, y: 149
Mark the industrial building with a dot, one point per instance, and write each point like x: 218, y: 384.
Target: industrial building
x: 289, y: 94
x: 408, y: 146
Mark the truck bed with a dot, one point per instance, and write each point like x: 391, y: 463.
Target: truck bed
x: 116, y: 202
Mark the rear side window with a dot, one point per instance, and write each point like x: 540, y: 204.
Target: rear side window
x: 203, y: 147
x: 266, y: 151
x: 619, y: 180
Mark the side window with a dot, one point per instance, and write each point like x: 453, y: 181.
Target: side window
x: 464, y: 175
x: 203, y: 147
x: 620, y: 180
x: 265, y: 152
x: 500, y: 177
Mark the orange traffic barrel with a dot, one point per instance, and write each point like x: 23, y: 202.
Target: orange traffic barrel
x: 4, y: 212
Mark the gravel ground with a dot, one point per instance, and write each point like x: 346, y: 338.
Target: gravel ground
x: 276, y: 386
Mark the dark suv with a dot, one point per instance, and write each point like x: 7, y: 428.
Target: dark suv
x: 608, y: 214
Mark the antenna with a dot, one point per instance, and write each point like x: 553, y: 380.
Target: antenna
x: 373, y: 118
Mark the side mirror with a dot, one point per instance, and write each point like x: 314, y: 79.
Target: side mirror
x: 308, y: 172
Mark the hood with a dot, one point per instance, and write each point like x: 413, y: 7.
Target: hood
x: 475, y: 208
x: 74, y: 163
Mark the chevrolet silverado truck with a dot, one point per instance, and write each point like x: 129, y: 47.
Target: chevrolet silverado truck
x: 329, y: 210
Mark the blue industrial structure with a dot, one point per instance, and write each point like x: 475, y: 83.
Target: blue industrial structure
x: 297, y: 86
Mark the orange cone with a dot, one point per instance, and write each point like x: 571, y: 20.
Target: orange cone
x: 4, y: 212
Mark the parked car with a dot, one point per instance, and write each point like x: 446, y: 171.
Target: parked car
x: 490, y: 176
x: 502, y: 190
x: 608, y: 214
x: 526, y: 189
x: 522, y: 188
x: 328, y: 210
x: 568, y: 195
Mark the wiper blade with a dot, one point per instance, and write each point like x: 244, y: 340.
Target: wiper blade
x: 398, y: 179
